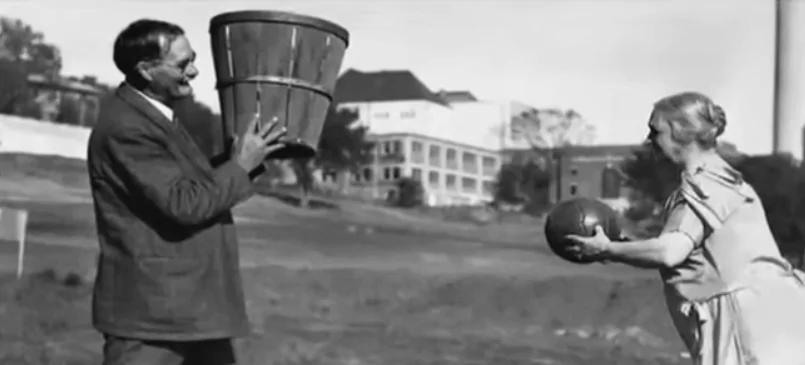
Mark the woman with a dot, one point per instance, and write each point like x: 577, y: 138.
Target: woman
x: 732, y: 296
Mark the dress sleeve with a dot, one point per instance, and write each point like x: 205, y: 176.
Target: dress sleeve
x: 681, y: 217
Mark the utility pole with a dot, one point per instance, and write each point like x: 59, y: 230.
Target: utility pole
x: 789, y: 85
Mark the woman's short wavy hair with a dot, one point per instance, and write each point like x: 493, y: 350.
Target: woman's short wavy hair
x: 692, y: 117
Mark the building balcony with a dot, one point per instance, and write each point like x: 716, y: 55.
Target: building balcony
x: 391, y: 158
x: 470, y: 168
x: 489, y: 171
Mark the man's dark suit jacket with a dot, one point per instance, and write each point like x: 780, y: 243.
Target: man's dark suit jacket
x: 168, y: 266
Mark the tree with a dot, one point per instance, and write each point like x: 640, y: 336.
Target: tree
x: 552, y: 128
x: 69, y: 111
x: 524, y: 183
x: 778, y: 180
x: 23, y: 52
x: 655, y: 177
x: 651, y: 173
x: 303, y: 169
x: 14, y: 87
x: 409, y: 193
x: 20, y: 43
x: 343, y: 146
x: 544, y: 131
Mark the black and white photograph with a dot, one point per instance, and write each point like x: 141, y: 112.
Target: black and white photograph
x: 390, y: 182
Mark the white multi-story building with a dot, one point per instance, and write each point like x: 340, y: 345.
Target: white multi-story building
x: 450, y: 141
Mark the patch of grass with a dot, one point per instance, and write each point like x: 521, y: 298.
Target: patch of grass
x: 384, y: 305
x: 45, y: 319
x: 355, y: 316
x: 57, y: 219
x: 69, y: 173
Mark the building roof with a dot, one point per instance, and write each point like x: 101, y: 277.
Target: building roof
x: 457, y: 96
x: 64, y: 84
x: 357, y: 86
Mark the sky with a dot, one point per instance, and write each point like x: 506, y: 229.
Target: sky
x: 607, y: 59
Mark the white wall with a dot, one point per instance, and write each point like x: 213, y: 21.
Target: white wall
x: 22, y: 135
x: 482, y: 124
x: 420, y: 117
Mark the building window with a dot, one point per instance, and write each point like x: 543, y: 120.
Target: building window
x: 435, y: 155
x: 574, y: 171
x: 469, y: 162
x: 433, y: 178
x: 416, y: 174
x: 367, y: 174
x: 469, y: 185
x: 450, y: 182
x: 408, y: 114
x: 391, y: 173
x: 417, y: 152
x: 452, y: 159
x: 610, y: 183
x: 574, y: 189
x: 392, y: 147
x: 489, y: 165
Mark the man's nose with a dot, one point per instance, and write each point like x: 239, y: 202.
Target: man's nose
x: 192, y: 71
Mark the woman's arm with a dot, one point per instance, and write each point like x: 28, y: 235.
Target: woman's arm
x: 668, y: 250
x: 684, y: 230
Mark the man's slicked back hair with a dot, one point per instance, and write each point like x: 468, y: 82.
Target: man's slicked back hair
x: 143, y: 40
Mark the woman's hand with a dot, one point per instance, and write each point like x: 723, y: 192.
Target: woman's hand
x: 595, y: 247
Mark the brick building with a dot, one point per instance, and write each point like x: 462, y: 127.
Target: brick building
x: 582, y: 171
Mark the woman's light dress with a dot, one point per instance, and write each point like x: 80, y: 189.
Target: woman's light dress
x: 735, y: 300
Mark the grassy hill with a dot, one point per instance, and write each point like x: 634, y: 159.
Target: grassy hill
x: 348, y: 283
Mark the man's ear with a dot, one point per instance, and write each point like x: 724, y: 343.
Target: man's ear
x: 144, y: 70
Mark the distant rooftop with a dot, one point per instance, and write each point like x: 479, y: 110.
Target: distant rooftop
x: 63, y: 84
x: 457, y: 96
x: 396, y: 85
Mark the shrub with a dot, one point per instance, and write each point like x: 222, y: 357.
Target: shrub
x: 408, y: 193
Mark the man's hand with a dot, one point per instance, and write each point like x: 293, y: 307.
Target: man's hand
x: 257, y: 142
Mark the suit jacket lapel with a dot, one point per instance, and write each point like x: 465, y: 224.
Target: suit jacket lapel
x: 198, y: 156
x: 173, y: 129
x: 131, y: 97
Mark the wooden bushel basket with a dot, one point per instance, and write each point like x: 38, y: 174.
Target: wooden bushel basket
x: 276, y: 64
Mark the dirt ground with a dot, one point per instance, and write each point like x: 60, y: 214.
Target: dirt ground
x: 368, y: 285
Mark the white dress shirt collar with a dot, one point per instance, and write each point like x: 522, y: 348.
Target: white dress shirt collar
x: 168, y: 112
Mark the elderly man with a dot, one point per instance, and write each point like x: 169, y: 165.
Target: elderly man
x: 168, y: 287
